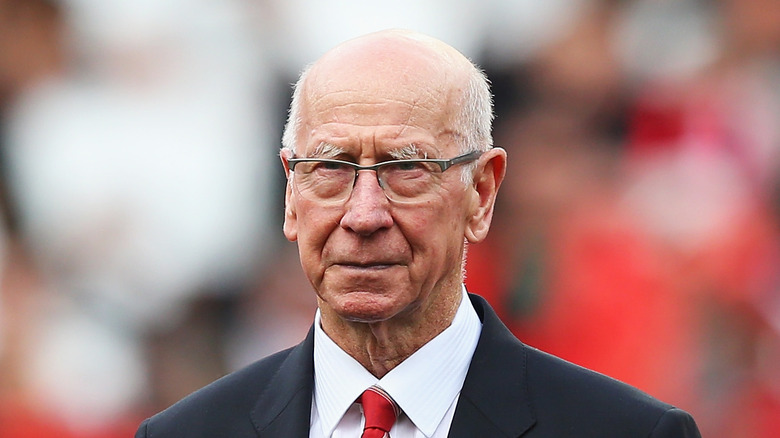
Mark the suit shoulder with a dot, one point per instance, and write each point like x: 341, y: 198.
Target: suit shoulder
x: 561, y: 386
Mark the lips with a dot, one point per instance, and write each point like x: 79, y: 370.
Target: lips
x: 365, y: 258
x: 367, y: 265
x: 358, y: 262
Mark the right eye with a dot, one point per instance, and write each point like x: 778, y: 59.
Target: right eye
x: 331, y: 165
x: 409, y: 166
x: 332, y: 170
x: 408, y: 169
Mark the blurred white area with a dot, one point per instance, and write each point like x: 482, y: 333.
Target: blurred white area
x: 504, y: 31
x: 305, y: 29
x: 517, y: 29
x: 82, y: 371
x: 688, y: 197
x: 666, y: 39
x: 148, y: 176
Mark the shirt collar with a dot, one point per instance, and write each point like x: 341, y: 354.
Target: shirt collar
x: 424, y: 385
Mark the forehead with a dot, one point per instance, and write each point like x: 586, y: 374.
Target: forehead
x: 385, y: 95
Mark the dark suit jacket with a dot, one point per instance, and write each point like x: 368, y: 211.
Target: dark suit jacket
x: 511, y: 390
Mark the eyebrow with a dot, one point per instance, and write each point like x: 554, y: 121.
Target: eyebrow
x: 327, y: 150
x: 407, y: 152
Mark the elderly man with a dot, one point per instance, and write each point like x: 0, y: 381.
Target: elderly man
x: 391, y: 172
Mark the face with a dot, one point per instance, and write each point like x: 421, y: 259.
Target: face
x: 370, y: 259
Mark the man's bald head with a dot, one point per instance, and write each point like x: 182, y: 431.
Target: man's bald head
x: 399, y: 64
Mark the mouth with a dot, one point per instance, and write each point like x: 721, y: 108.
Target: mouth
x: 367, y: 266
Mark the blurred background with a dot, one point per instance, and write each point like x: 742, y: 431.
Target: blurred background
x: 141, y: 253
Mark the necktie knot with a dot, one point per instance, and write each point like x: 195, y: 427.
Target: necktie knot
x: 380, y: 411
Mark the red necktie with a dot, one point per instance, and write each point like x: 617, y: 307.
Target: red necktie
x: 380, y: 411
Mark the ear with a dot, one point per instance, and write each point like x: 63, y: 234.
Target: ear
x: 290, y: 216
x: 487, y: 179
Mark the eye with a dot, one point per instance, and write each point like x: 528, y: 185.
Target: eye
x: 331, y: 168
x: 325, y: 169
x: 407, y: 166
x: 331, y: 165
x: 407, y: 170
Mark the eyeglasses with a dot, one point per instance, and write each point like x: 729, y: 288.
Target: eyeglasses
x: 330, y: 181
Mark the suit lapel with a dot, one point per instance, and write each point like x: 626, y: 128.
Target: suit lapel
x: 494, y: 400
x: 284, y: 408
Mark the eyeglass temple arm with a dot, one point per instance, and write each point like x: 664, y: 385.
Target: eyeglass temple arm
x: 471, y: 156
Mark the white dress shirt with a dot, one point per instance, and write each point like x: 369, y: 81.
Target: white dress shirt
x: 426, y: 385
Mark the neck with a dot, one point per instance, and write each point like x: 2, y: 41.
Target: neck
x: 383, y: 345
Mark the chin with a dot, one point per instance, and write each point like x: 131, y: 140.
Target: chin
x: 367, y: 306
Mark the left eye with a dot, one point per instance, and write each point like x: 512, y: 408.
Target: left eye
x: 409, y: 166
x: 332, y: 165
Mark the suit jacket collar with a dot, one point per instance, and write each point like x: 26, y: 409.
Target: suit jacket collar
x: 494, y: 400
x: 284, y: 407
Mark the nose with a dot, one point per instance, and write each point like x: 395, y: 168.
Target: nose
x: 367, y: 209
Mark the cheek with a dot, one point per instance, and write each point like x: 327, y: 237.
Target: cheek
x: 435, y: 235
x: 314, y: 230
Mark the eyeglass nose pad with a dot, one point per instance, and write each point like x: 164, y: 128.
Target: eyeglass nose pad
x: 380, y: 184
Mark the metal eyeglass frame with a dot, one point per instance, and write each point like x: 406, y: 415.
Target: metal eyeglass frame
x: 444, y: 164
